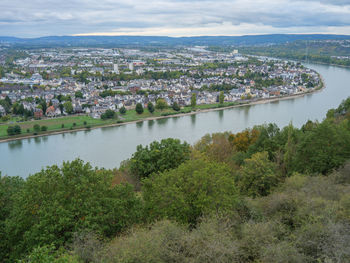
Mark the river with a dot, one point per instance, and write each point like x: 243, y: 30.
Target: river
x: 107, y: 147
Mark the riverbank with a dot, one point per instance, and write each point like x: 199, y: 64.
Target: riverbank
x: 205, y: 108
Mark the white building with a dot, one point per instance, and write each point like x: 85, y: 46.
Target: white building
x: 116, y: 68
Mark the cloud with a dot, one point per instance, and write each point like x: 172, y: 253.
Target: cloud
x: 172, y: 17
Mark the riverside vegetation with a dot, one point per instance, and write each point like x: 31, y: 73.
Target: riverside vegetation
x: 262, y: 195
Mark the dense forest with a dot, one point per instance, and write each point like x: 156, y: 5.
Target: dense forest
x: 261, y: 195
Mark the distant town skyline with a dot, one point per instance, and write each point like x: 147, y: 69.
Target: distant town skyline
x: 174, y: 18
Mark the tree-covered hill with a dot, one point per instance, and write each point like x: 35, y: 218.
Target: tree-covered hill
x: 262, y: 195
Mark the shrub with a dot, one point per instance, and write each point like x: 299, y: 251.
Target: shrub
x: 14, y: 130
x: 176, y: 106
x: 139, y: 108
x: 122, y: 110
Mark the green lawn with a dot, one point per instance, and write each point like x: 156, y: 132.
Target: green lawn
x: 55, y: 124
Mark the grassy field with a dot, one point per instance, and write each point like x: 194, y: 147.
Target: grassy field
x: 78, y: 122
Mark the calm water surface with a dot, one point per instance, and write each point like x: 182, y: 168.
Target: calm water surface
x: 107, y: 147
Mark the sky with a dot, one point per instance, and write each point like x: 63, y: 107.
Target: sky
x: 35, y: 18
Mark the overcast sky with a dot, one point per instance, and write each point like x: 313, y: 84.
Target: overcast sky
x: 33, y: 18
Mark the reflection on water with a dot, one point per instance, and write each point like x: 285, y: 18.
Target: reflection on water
x: 221, y: 114
x: 37, y: 140
x: 151, y: 124
x: 193, y: 119
x: 15, y: 144
x: 162, y: 122
x: 139, y: 124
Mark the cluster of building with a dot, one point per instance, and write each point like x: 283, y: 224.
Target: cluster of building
x: 127, y: 74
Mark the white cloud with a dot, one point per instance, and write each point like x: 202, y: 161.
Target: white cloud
x: 172, y: 17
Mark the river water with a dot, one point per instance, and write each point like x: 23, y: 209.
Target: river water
x: 107, y: 147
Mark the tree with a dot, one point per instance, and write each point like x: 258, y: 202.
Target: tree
x: 122, y: 110
x: 258, y: 175
x: 323, y: 148
x: 68, y: 107
x: 78, y: 94
x: 8, y: 100
x: 109, y: 114
x: 159, y: 156
x: 161, y: 104
x: 176, y: 106
x: 61, y: 107
x: 57, y: 202
x: 36, y: 127
x: 9, y: 187
x: 150, y: 107
x: 242, y: 140
x: 221, y: 97
x: 139, y: 108
x: 193, y: 100
x: 14, y: 130
x: 195, y: 188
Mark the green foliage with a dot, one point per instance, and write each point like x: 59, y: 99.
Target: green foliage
x: 161, y: 104
x: 43, y: 128
x: 122, y: 110
x: 36, y: 127
x: 14, y: 130
x: 139, y: 108
x: 78, y: 94
x: 323, y: 148
x: 258, y: 175
x: 150, y: 107
x: 68, y: 107
x: 195, y: 188
x: 109, y: 114
x: 221, y: 97
x: 56, y: 202
x: 176, y: 106
x: 193, y: 100
x: 158, y: 157
x: 9, y: 186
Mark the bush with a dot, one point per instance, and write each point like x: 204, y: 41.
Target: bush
x: 14, y: 130
x: 62, y: 126
x: 139, y: 108
x: 150, y: 107
x: 85, y: 123
x: 109, y: 114
x: 122, y: 110
x: 161, y: 104
x: 36, y: 127
x: 176, y: 106
x: 44, y: 128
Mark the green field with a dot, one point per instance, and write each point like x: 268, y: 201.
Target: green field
x: 84, y: 121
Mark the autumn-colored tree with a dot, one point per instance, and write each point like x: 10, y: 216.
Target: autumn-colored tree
x: 242, y: 140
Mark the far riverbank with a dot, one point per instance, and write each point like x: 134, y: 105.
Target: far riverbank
x: 214, y: 107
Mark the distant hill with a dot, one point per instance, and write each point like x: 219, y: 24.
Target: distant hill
x: 112, y: 41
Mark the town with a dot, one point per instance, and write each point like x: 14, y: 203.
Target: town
x: 48, y: 83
